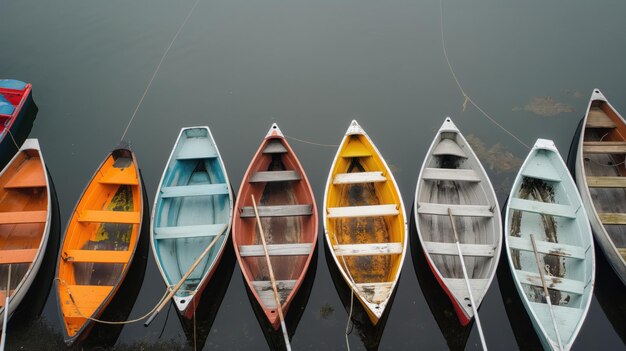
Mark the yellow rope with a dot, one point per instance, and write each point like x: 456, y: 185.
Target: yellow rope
x: 12, y: 138
x: 465, y: 96
x: 62, y: 281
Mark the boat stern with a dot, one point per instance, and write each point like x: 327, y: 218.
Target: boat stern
x: 355, y: 129
x: 274, y: 132
x: 448, y: 126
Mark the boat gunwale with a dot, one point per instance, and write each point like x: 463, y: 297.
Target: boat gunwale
x: 212, y: 267
x: 449, y: 126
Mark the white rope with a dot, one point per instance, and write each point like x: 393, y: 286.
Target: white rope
x: 159, y: 66
x: 465, y: 96
x: 310, y: 142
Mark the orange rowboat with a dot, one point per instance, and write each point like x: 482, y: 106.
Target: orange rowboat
x: 25, y: 221
x: 288, y: 214
x: 100, y: 242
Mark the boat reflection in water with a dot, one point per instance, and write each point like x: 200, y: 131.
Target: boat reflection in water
x: 369, y: 334
x: 610, y: 293
x: 439, y: 303
x: 274, y: 337
x: 210, y: 301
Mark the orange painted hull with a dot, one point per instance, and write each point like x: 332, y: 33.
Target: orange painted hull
x: 279, y: 230
x: 100, y: 242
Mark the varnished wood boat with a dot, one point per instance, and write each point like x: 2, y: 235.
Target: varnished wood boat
x: 544, y: 203
x: 193, y: 205
x: 286, y: 205
x: 453, y: 178
x: 17, y: 111
x: 601, y: 178
x: 100, y: 242
x: 25, y: 221
x: 364, y: 221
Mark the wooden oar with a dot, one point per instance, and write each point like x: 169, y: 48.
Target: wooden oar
x: 182, y: 280
x: 5, y: 318
x: 279, y: 307
x: 467, y: 282
x: 545, y: 291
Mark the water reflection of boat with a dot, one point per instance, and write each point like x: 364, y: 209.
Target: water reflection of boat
x: 106, y: 236
x: 440, y: 305
x: 210, y: 301
x: 610, y: 291
x: 275, y: 339
x: 369, y: 333
x: 17, y: 113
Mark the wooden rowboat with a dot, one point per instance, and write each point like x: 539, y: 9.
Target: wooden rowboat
x: 286, y: 205
x: 545, y: 204
x: 26, y: 206
x: 601, y: 178
x: 193, y: 205
x: 364, y: 221
x: 453, y: 178
x: 17, y: 111
x: 100, y: 242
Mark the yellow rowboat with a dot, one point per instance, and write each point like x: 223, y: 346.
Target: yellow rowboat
x: 365, y: 221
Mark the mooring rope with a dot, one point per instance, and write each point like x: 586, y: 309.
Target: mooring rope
x: 465, y: 96
x: 352, y: 292
x: 310, y: 142
x: 69, y: 292
x: 158, y: 67
x: 12, y: 138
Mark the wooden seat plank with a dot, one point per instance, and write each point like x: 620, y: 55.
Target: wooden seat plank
x: 191, y: 231
x: 375, y: 249
x: 274, y: 176
x: 598, y: 119
x: 612, y: 218
x: 606, y: 182
x: 266, y: 293
x: 359, y: 177
x: 375, y: 292
x: 604, y: 148
x: 121, y: 176
x: 274, y: 147
x: 459, y: 288
x: 556, y: 283
x: 23, y: 217
x: 355, y: 149
x: 455, y: 174
x: 96, y: 256
x: 363, y: 211
x: 457, y: 210
x: 17, y: 256
x: 476, y: 250
x: 30, y: 175
x: 123, y: 217
x: 196, y: 148
x: 545, y: 208
x: 547, y: 248
x: 86, y: 297
x: 194, y: 190
x: 540, y: 167
x: 277, y: 211
x: 276, y: 250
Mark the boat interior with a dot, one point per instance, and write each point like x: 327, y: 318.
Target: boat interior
x: 23, y: 215
x: 285, y: 206
x: 604, y: 154
x: 100, y: 239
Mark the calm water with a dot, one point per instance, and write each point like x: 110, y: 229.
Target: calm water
x: 312, y: 66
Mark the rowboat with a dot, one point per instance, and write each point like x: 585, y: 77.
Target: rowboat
x: 546, y: 225
x: 26, y: 206
x: 453, y: 179
x: 286, y: 206
x: 100, y: 242
x: 17, y: 111
x: 192, y: 207
x: 364, y: 221
x: 601, y: 178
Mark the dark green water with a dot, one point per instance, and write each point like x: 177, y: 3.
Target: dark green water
x: 312, y: 66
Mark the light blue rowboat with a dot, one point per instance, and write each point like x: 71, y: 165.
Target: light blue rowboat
x: 545, y: 203
x: 193, y: 205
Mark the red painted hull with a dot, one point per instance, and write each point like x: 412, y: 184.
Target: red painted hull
x: 302, y: 229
